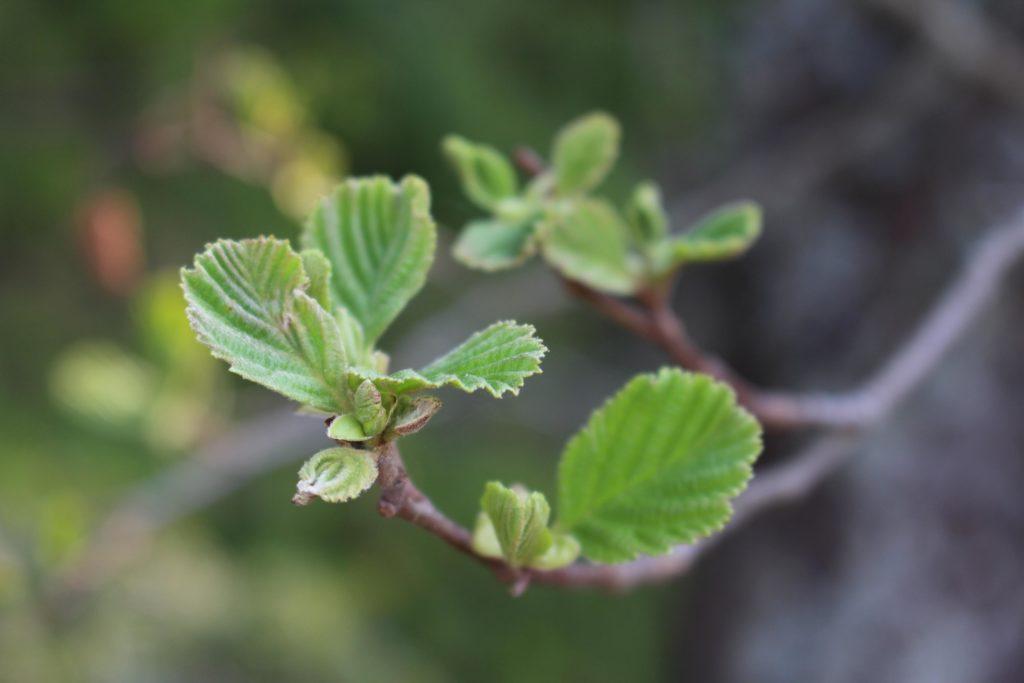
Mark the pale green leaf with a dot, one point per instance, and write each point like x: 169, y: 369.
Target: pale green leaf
x: 485, y: 540
x: 584, y: 152
x: 335, y: 475
x: 656, y: 466
x: 347, y: 428
x: 563, y: 551
x: 369, y: 409
x: 357, y: 351
x: 487, y: 176
x: 413, y: 415
x: 246, y: 301
x: 723, y: 234
x: 587, y: 241
x: 379, y: 238
x: 520, y: 522
x: 318, y: 270
x: 492, y: 245
x: 646, y: 215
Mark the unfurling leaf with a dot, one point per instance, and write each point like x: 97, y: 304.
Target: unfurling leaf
x: 587, y: 241
x: 492, y: 245
x: 723, y: 234
x: 379, y: 238
x: 347, y: 428
x: 247, y: 302
x: 413, y: 415
x: 646, y: 214
x: 520, y: 522
x: 335, y: 475
x: 657, y: 465
x: 584, y: 152
x: 487, y: 176
x: 369, y: 409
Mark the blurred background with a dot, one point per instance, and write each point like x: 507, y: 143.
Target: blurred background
x: 146, y: 532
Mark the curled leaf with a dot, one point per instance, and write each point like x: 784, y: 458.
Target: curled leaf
x: 520, y: 522
x: 413, y: 415
x: 335, y: 475
x: 369, y: 410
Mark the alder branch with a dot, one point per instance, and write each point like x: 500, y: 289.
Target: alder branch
x: 948, y: 320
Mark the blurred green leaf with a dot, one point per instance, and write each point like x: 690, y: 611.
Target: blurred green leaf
x: 487, y: 176
x: 657, y: 465
x: 646, y: 215
x: 725, y: 233
x: 584, y: 152
x: 492, y: 245
x: 247, y: 302
x: 379, y: 238
x: 335, y: 475
x: 587, y: 241
x: 102, y: 384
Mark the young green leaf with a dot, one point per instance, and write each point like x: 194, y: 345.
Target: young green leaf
x: 246, y: 301
x: 318, y: 270
x: 335, y: 475
x: 347, y: 428
x: 520, y: 522
x: 357, y: 351
x: 587, y: 241
x: 563, y: 551
x: 496, y: 359
x: 487, y: 176
x: 369, y: 409
x: 584, y: 152
x: 379, y: 238
x: 646, y: 214
x: 492, y: 245
x: 657, y: 465
x: 723, y: 234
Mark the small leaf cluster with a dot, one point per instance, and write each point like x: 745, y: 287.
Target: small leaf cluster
x: 654, y: 467
x: 306, y: 324
x: 585, y: 237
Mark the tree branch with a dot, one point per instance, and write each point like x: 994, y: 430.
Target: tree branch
x: 949, y: 319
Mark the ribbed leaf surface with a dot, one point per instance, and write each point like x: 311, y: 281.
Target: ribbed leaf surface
x: 246, y: 301
x: 656, y: 466
x: 496, y: 359
x: 380, y: 239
